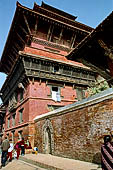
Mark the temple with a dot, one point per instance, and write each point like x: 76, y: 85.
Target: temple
x: 40, y: 78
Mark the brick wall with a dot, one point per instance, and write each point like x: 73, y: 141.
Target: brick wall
x: 77, y: 130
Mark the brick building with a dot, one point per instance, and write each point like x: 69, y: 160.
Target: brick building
x: 39, y: 76
x: 76, y: 131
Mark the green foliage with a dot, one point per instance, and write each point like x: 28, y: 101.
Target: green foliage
x: 99, y: 86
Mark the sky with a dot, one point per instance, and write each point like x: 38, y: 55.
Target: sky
x: 89, y: 12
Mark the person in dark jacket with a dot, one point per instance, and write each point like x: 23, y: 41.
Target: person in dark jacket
x: 4, y: 147
x: 22, y: 147
x: 107, y: 154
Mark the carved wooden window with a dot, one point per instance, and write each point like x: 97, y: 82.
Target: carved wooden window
x: 42, y: 29
x: 21, y: 116
x: 27, y: 63
x: 80, y: 93
x: 56, y: 35
x: 66, y: 71
x: 91, y: 77
x: 45, y: 67
x: 66, y: 37
x: 34, y: 65
x: 56, y: 69
x: 56, y: 94
x: 75, y: 74
x: 84, y: 75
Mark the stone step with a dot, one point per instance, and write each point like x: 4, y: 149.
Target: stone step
x: 52, y: 162
x: 39, y: 164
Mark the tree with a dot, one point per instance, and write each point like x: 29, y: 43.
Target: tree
x: 99, y: 86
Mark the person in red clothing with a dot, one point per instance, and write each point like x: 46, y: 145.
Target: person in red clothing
x: 17, y: 147
x: 22, y: 147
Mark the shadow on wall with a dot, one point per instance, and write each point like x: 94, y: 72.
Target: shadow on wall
x: 97, y: 158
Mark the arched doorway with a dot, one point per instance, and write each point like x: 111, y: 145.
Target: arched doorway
x: 48, y: 140
x: 48, y: 149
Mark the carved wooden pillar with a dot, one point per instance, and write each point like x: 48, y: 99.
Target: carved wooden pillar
x: 73, y: 40
x: 50, y: 32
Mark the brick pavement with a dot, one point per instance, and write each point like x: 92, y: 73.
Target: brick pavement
x: 50, y: 162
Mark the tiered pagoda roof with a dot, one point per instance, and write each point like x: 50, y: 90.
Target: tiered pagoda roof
x: 20, y: 32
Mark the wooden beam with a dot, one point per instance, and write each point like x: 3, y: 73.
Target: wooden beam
x: 61, y: 33
x: 23, y: 29
x: 5, y: 70
x: 7, y: 67
x: 108, y: 51
x: 17, y: 46
x: 27, y: 24
x: 11, y: 58
x: 23, y: 41
x: 12, y: 51
x: 15, y: 49
x: 10, y: 62
x: 49, y: 32
x: 97, y: 69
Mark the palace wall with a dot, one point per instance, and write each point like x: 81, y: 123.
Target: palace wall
x: 76, y: 130
x: 41, y: 98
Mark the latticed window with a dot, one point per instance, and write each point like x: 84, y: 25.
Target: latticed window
x: 75, y: 74
x: 56, y: 69
x: 66, y: 71
x: 45, y: 67
x: 91, y: 76
x: 84, y: 75
x: 34, y: 65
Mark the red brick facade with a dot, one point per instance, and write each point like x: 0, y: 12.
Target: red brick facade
x: 77, y: 131
x: 40, y: 77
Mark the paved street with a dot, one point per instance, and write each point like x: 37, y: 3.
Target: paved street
x: 20, y: 165
x: 50, y: 162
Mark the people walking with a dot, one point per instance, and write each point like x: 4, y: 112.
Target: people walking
x: 4, y: 147
x: 107, y: 154
x: 10, y: 150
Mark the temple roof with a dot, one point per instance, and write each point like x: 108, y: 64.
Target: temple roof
x: 96, y: 50
x: 57, y: 11
x: 21, y: 28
